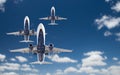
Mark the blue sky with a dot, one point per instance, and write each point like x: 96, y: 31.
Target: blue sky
x: 91, y: 31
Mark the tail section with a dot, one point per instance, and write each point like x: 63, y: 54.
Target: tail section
x: 26, y: 41
x: 38, y: 62
x: 53, y: 24
x: 40, y: 59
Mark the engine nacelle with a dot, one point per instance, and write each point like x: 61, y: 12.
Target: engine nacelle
x: 20, y: 31
x: 31, y: 47
x: 51, y: 46
x: 33, y: 31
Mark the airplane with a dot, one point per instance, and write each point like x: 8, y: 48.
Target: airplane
x: 26, y: 32
x: 53, y: 18
x: 41, y: 49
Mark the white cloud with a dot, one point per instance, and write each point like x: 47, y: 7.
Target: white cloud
x: 94, y: 59
x: 114, y: 70
x: 9, y: 73
x: 70, y: 69
x: 114, y: 58
x: 116, y: 7
x: 107, y: 33
x: 13, y: 59
x: 9, y: 67
x: 56, y: 58
x: 91, y: 69
x: 119, y: 62
x: 2, y: 2
x: 2, y: 57
x: 118, y: 34
x: 48, y: 74
x: 59, y: 72
x: 108, y: 21
x: 21, y: 59
x: 26, y: 67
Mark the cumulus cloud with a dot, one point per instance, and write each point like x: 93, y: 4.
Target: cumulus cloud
x: 2, y: 2
x: 92, y: 68
x: 118, y: 36
x: 88, y: 70
x: 70, y: 69
x: 94, y: 58
x: 115, y: 58
x: 116, y: 7
x: 2, y: 57
x: 13, y: 59
x: 59, y: 72
x: 58, y: 59
x: 6, y: 68
x: 108, y: 21
x: 114, y: 70
x: 48, y: 74
x: 9, y: 66
x: 21, y: 59
x: 107, y: 33
x: 9, y: 73
x: 26, y: 67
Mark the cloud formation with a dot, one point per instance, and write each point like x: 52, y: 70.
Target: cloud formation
x: 116, y: 7
x: 91, y: 69
x: 2, y: 2
x: 95, y: 58
x: 13, y: 69
x: 21, y: 59
x: 2, y: 57
x: 58, y: 59
x: 108, y: 21
x: 107, y: 33
x: 115, y: 58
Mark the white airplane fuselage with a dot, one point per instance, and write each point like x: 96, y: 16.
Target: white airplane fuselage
x: 26, y: 28
x: 40, y: 42
x: 53, y: 15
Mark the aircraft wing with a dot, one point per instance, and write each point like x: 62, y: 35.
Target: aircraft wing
x: 60, y: 18
x: 57, y: 50
x: 45, y: 18
x: 22, y: 50
x: 16, y: 33
x: 32, y: 32
x: 25, y: 50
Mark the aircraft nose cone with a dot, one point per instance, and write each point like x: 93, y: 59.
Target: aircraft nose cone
x: 53, y: 8
x: 26, y: 17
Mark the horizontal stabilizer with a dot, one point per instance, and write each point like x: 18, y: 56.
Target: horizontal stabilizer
x: 38, y: 62
x: 52, y: 24
x: 26, y: 41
